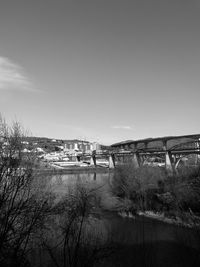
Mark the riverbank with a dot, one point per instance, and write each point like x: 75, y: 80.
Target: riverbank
x: 161, y: 217
x: 176, y: 221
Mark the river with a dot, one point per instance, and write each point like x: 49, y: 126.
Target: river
x: 138, y: 241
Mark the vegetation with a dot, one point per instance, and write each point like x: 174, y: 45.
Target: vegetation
x: 22, y: 203
x: 150, y: 188
x: 72, y: 237
x: 39, y: 227
x: 34, y: 220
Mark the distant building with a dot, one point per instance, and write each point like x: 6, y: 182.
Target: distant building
x: 39, y: 149
x: 82, y: 146
x: 25, y: 142
x: 25, y: 150
x: 96, y: 146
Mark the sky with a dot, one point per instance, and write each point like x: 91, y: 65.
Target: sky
x: 101, y: 70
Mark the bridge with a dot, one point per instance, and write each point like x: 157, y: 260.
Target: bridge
x: 171, y: 149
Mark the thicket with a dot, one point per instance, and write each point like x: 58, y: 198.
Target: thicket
x: 151, y: 188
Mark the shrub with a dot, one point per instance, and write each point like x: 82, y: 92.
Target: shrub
x: 150, y: 188
x: 138, y: 184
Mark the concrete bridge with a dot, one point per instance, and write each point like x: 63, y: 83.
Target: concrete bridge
x: 170, y: 149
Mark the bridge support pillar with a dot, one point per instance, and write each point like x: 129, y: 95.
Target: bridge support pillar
x: 78, y: 158
x: 93, y: 160
x: 168, y: 163
x: 142, y: 159
x: 136, y: 160
x: 111, y: 161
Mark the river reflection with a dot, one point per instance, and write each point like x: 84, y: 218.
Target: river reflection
x: 98, y: 178
x: 61, y: 183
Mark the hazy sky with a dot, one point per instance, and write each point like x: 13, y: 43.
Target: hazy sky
x: 101, y: 70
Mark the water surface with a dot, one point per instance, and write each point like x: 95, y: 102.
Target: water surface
x: 138, y: 241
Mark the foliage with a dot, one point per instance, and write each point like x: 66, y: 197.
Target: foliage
x: 150, y: 188
x: 136, y: 184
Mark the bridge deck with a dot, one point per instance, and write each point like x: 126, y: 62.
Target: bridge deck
x: 159, y: 144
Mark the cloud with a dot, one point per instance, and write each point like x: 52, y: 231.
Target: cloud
x: 12, y: 76
x: 122, y: 127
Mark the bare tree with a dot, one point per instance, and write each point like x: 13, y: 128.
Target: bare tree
x: 31, y: 218
x: 23, y: 203
x: 76, y: 238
